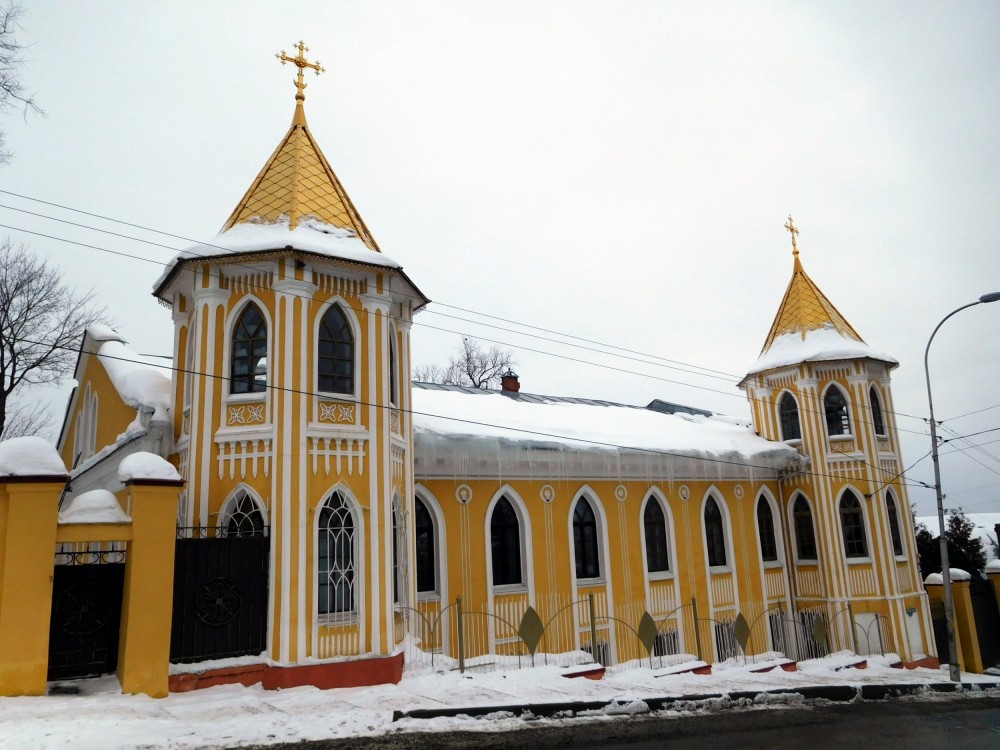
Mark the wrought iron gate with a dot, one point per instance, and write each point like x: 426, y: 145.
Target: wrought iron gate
x: 220, y: 594
x: 86, y: 613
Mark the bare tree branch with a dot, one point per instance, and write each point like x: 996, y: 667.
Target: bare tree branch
x: 41, y: 321
x: 470, y: 365
x: 13, y: 94
x: 31, y: 418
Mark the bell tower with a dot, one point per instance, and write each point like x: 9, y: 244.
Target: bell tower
x: 819, y: 387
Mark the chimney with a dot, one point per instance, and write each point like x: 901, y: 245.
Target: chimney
x: 509, y: 382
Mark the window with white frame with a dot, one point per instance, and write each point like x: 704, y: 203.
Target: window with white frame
x: 838, y: 420
x: 335, y: 354
x: 336, y: 559
x: 505, y: 544
x: 425, y: 546
x: 852, y: 521
x: 765, y: 531
x: 655, y: 529
x: 586, y: 542
x: 715, y: 534
x: 788, y: 411
x: 248, y: 357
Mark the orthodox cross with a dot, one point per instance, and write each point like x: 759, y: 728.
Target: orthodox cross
x: 301, y: 63
x: 792, y: 230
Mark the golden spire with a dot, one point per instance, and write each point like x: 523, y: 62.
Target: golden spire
x: 297, y: 182
x: 792, y: 230
x: 804, y: 307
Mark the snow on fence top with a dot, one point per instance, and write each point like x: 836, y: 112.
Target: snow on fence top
x: 455, y: 414
x: 138, y: 380
x: 957, y: 574
x: 310, y: 236
x: 819, y: 345
x: 145, y: 465
x: 30, y: 456
x: 96, y: 506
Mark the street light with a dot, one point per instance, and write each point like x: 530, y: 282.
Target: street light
x: 949, y: 603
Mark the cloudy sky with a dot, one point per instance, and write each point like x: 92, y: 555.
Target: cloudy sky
x: 616, y: 171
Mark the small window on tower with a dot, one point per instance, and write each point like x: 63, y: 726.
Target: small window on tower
x: 877, y: 422
x: 838, y: 422
x: 789, y: 411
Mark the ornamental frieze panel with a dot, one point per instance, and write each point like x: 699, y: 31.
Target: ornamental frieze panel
x: 843, y: 446
x: 337, y: 412
x: 244, y: 414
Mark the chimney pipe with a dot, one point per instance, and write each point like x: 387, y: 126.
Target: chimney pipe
x: 509, y: 382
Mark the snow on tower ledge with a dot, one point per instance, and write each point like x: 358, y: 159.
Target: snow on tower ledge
x: 817, y: 345
x: 30, y: 457
x: 147, y: 466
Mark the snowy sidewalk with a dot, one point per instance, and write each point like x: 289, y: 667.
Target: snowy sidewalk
x: 229, y: 716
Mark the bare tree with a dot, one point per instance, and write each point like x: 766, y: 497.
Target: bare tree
x: 13, y: 94
x: 26, y: 418
x: 470, y: 365
x: 41, y: 321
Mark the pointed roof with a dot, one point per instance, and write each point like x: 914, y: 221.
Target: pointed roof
x: 297, y: 182
x: 805, y: 312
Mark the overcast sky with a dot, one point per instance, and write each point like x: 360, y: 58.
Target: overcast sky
x: 618, y: 171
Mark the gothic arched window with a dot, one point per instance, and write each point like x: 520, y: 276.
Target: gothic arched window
x: 244, y: 517
x: 715, y: 535
x: 838, y: 421
x: 788, y: 410
x: 897, y: 539
x: 393, y: 372
x: 765, y: 531
x: 505, y: 541
x: 877, y: 421
x: 805, y: 533
x: 335, y: 355
x: 852, y: 521
x: 655, y: 528
x: 336, y: 558
x: 424, y: 544
x: 248, y: 362
x: 585, y: 541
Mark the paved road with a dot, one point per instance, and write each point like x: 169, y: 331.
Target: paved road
x: 955, y: 723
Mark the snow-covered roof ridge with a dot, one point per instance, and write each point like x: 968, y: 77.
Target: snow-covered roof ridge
x: 139, y: 380
x: 822, y: 344
x: 30, y: 456
x: 589, y: 426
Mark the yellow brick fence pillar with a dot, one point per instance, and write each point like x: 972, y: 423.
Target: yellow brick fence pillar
x: 147, y: 604
x: 965, y: 625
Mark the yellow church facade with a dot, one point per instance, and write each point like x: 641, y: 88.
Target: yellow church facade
x: 393, y: 519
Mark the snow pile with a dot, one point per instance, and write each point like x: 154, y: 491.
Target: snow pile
x: 138, y: 380
x: 818, y: 345
x: 310, y: 236
x: 96, y: 506
x: 957, y: 574
x: 30, y: 456
x: 490, y: 414
x: 145, y: 465
x: 993, y: 566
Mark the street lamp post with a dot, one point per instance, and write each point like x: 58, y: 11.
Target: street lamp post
x: 949, y: 603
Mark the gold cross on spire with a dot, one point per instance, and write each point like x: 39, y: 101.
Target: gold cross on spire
x: 792, y: 230
x: 301, y: 63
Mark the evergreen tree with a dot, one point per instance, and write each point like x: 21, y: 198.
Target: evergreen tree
x: 965, y: 550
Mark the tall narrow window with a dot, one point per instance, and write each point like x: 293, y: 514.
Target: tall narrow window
x: 335, y: 560
x: 393, y: 373
x: 425, y: 549
x: 715, y: 536
x: 585, y: 542
x: 655, y: 527
x: 765, y: 530
x: 400, y: 581
x: 805, y: 533
x: 835, y: 407
x: 877, y: 422
x: 505, y: 540
x: 248, y: 363
x: 897, y: 539
x: 789, y: 412
x: 335, y: 356
x: 852, y: 521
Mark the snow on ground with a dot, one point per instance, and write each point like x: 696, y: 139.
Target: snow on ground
x: 230, y: 716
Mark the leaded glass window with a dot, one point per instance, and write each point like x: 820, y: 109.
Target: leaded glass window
x: 335, y: 355
x: 585, y: 541
x: 245, y: 518
x: 715, y: 536
x: 336, y: 560
x: 505, y: 541
x: 248, y: 363
x: 852, y: 521
x: 655, y: 527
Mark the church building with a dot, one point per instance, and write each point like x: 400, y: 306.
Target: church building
x: 336, y: 514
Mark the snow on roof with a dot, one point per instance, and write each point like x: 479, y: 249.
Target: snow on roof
x: 819, y: 345
x: 311, y: 236
x: 30, y: 456
x: 472, y: 414
x: 139, y: 381
x: 145, y: 465
x: 96, y: 506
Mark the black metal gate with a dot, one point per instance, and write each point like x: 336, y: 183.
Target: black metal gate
x: 984, y: 609
x: 86, y: 613
x: 220, y: 594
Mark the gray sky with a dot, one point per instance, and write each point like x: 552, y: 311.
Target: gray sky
x: 619, y: 171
